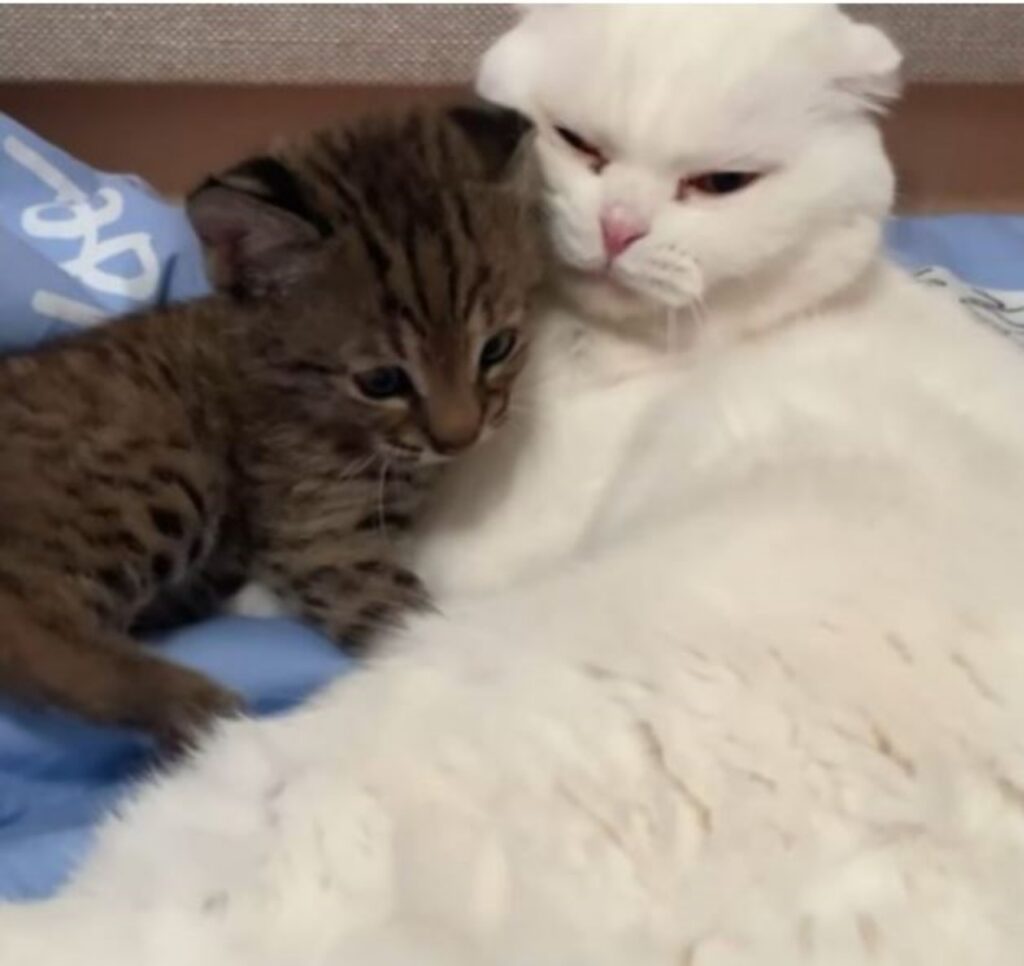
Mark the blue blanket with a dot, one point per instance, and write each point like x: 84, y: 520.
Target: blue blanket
x: 77, y: 246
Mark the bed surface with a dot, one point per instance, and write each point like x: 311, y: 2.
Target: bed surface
x: 57, y: 777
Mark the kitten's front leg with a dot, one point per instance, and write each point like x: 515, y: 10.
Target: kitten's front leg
x: 357, y: 593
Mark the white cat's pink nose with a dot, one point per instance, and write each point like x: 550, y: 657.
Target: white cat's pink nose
x: 620, y: 229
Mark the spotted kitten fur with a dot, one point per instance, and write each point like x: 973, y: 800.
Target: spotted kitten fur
x: 285, y: 433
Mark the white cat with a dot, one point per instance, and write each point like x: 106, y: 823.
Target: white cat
x: 730, y: 669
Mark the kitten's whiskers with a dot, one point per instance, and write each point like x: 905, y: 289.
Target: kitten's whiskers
x: 381, y: 512
x: 357, y: 467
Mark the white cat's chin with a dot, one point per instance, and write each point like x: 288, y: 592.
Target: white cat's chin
x: 604, y: 297
x: 610, y: 304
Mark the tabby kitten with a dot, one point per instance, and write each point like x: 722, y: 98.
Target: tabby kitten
x: 285, y: 434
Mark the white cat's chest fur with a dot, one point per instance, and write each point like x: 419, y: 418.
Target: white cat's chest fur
x: 501, y: 516
x: 766, y: 711
x: 624, y: 433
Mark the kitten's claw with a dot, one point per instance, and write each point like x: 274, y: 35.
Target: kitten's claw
x: 411, y: 590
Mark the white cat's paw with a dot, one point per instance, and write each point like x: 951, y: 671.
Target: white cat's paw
x: 256, y: 600
x: 663, y: 272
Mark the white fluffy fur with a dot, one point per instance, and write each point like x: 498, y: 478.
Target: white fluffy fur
x: 730, y: 670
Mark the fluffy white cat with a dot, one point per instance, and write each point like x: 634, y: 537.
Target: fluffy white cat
x: 730, y: 669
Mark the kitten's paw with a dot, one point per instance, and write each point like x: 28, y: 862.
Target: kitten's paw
x: 396, y: 593
x: 664, y: 273
x: 391, y: 587
x: 183, y: 704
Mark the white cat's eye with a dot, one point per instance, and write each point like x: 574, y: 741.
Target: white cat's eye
x: 716, y: 182
x: 581, y: 145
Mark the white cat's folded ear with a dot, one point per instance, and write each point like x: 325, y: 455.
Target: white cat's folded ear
x: 507, y: 71
x: 869, y: 65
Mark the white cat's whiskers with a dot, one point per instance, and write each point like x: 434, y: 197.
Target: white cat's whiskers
x: 531, y: 412
x: 704, y: 332
x: 672, y: 323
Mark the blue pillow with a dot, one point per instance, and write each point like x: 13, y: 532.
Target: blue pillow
x: 984, y: 250
x: 78, y: 246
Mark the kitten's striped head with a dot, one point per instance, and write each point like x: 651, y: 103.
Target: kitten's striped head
x: 406, y: 249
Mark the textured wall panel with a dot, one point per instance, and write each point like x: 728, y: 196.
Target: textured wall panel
x: 397, y: 44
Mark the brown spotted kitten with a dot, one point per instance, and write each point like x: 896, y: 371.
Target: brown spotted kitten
x: 286, y: 433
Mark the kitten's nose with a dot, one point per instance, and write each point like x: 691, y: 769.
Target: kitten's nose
x: 450, y: 445
x: 620, y: 229
x: 454, y: 428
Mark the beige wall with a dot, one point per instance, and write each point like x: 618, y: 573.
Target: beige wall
x: 198, y: 85
x: 399, y: 44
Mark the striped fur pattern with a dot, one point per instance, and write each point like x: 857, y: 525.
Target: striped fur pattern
x: 286, y: 432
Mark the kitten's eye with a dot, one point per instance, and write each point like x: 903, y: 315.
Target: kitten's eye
x: 384, y: 382
x: 498, y: 348
x: 596, y: 156
x: 718, y: 182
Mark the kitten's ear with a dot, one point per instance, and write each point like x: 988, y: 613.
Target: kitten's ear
x: 260, y: 234
x: 499, y: 136
x: 869, y: 65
